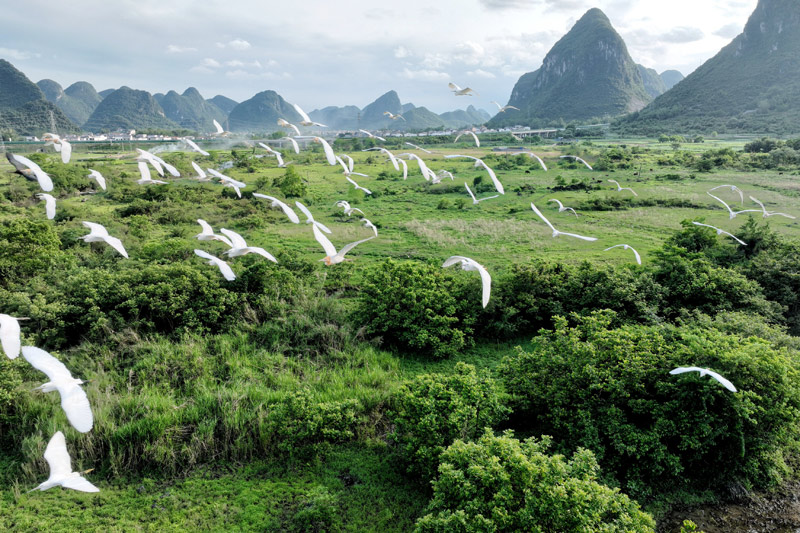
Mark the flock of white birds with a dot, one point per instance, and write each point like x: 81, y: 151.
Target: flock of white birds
x: 74, y: 401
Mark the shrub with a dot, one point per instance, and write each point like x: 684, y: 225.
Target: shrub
x: 418, y: 306
x: 432, y: 410
x: 609, y: 390
x: 502, y: 484
x: 27, y: 248
x: 291, y: 185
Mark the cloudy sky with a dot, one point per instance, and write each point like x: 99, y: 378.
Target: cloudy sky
x: 342, y: 52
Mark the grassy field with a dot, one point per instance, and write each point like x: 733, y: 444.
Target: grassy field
x: 358, y: 485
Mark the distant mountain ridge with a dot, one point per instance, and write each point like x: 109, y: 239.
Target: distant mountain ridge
x: 751, y: 85
x: 23, y: 107
x: 78, y: 101
x: 191, y: 111
x: 128, y: 108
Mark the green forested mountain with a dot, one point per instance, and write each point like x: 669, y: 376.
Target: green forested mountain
x: 16, y: 89
x: 671, y: 78
x: 653, y: 83
x: 106, y: 92
x: 23, y: 107
x: 128, y: 109
x: 751, y: 85
x: 588, y: 74
x: 191, y: 111
x: 459, y: 118
x: 372, y: 116
x: 261, y: 113
x: 224, y: 103
x: 342, y: 118
x: 419, y: 118
x: 78, y: 101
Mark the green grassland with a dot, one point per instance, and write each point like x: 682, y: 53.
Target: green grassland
x: 186, y: 435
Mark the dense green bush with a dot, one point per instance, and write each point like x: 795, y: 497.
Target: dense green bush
x: 609, y: 390
x: 501, y: 484
x: 432, y: 410
x: 418, y: 307
x: 27, y: 247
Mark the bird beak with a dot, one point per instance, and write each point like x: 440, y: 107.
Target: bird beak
x: 23, y: 318
x: 87, y: 471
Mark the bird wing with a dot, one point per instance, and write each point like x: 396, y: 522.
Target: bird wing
x: 286, y: 209
x: 577, y: 236
x: 721, y: 201
x: 194, y: 146
x: 453, y: 259
x: 76, y: 406
x: 44, y: 362
x: 457, y: 137
x: 405, y: 168
x: 344, y: 166
x: 172, y: 170
x: 539, y: 213
x: 539, y: 159
x: 328, y: 150
x: 207, y: 229
x: 218, y: 126
x: 66, y: 151
x: 57, y: 456
x: 10, y: 336
x: 470, y: 192
x: 486, y: 282
x: 302, y: 113
x: 79, y: 483
x: 615, y: 182
x: 392, y: 158
x: 49, y: 204
x: 236, y: 239
x: 764, y: 209
x: 200, y: 172
x: 116, y: 244
x: 41, y: 176
x: 306, y: 212
x: 327, y: 245
x: 587, y: 164
x: 99, y: 177
x: 635, y: 253
x: 454, y: 86
x: 725, y: 383
x: 294, y: 144
x: 144, y: 170
x: 98, y: 230
x: 263, y: 253
x: 346, y: 248
x: 477, y: 142
x: 732, y: 236
x: 560, y: 205
x: 684, y: 369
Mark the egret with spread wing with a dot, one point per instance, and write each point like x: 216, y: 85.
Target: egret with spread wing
x: 60, y: 464
x: 556, y: 233
x: 704, y: 372
x: 469, y: 265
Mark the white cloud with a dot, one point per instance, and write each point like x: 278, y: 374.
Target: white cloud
x: 238, y: 63
x: 175, y: 49
x: 402, y: 52
x: 206, y: 66
x: 553, y: 5
x: 480, y: 73
x: 681, y: 34
x: 425, y: 74
x: 18, y: 55
x: 240, y: 74
x: 236, y: 44
x: 729, y: 31
x: 435, y: 60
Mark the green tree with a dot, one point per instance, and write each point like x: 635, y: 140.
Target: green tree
x: 291, y: 184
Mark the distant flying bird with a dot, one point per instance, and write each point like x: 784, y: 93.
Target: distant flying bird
x: 201, y: 174
x: 721, y: 232
x: 705, y: 372
x: 73, y: 398
x: 421, y: 149
x: 329, y: 155
x: 278, y: 155
x: 224, y: 268
x: 227, y: 181
x: 295, y: 146
x: 60, y: 464
x: 306, y: 119
x: 21, y: 169
x: 480, y: 163
x: 458, y: 91
x: 578, y: 159
x: 95, y: 175
x: 556, y: 233
x: 219, y: 129
x: 733, y: 188
x: 393, y: 116
x: 357, y: 186
x: 769, y: 214
x: 621, y: 188
x: 503, y: 108
x: 405, y: 167
x: 60, y: 145
x: 288, y: 211
x: 310, y: 217
x: 239, y: 246
x: 534, y: 156
x: 372, y: 136
x: 98, y: 233
x: 347, y: 209
x: 10, y: 335
x: 562, y: 208
x: 333, y: 257
x: 49, y: 204
x: 286, y: 124
x: 626, y: 247
x: 427, y: 173
x: 441, y: 174
x: 146, y: 179
x: 208, y: 233
x: 40, y: 175
x: 731, y: 212
x: 475, y: 201
x: 469, y: 265
x: 477, y: 142
x: 158, y: 163
x: 194, y: 146
x: 392, y: 158
x: 370, y: 225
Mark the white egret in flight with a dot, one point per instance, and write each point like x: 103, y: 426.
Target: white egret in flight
x: 621, y: 188
x: 562, y: 208
x: 556, y: 233
x: 10, y: 335
x: 295, y: 146
x: 49, y: 204
x: 368, y: 134
x: 99, y: 233
x: 731, y: 212
x: 201, y: 174
x: 95, y: 175
x: 458, y: 91
x: 277, y: 203
x: 158, y: 163
x: 344, y: 204
x: 194, y: 146
x: 208, y: 233
x: 405, y: 167
x: 227, y: 181
x: 480, y: 163
x: 534, y: 156
x: 470, y: 264
x: 477, y: 142
x: 733, y: 188
x: 357, y: 186
x: 704, y: 372
x: 421, y: 149
x: 41, y: 176
x: 393, y: 116
x: 721, y: 232
x: 218, y: 127
x: 392, y: 158
x: 60, y: 145
x: 333, y: 257
x: 503, y: 108
x: 286, y: 124
x: 769, y: 214
x: 329, y: 155
x: 224, y: 268
x: 146, y: 179
x: 239, y: 247
x: 60, y: 464
x: 475, y: 201
x: 310, y: 217
x: 370, y: 225
x: 626, y: 247
x: 576, y: 158
x: 306, y: 119
x: 73, y: 398
x: 427, y: 173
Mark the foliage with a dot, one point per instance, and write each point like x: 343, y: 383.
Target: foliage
x: 432, y: 410
x: 609, y: 390
x: 290, y: 184
x: 27, y: 247
x: 418, y: 307
x: 499, y: 483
